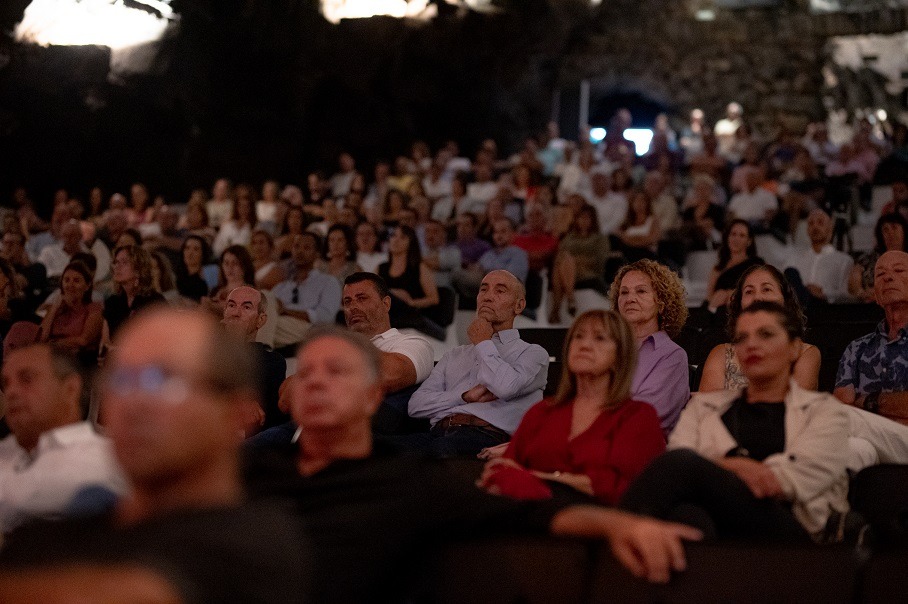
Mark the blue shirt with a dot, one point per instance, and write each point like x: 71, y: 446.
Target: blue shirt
x: 512, y: 259
x: 513, y: 370
x: 319, y: 295
x: 874, y: 364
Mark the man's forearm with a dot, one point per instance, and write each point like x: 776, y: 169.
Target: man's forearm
x: 893, y: 405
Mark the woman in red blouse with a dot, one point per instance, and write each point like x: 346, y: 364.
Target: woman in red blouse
x: 590, y: 436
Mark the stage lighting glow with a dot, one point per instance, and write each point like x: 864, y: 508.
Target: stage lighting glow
x: 597, y: 134
x: 108, y: 23
x: 335, y: 10
x: 641, y: 137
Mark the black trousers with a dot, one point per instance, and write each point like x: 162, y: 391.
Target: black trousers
x: 682, y: 486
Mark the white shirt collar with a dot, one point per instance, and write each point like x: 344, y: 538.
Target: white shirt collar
x: 385, y: 335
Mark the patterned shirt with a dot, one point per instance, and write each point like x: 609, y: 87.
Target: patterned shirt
x: 874, y: 364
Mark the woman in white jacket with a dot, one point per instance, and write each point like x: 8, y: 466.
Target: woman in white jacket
x: 766, y: 462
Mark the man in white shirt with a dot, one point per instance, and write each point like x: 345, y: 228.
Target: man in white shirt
x: 56, y: 256
x: 611, y: 206
x: 820, y: 272
x: 406, y: 359
x: 51, y: 454
x: 482, y: 189
x: 755, y: 204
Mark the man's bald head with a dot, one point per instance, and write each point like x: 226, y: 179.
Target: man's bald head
x: 244, y: 312
x: 516, y: 283
x: 501, y: 298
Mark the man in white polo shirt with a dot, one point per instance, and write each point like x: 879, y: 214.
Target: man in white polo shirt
x: 406, y: 360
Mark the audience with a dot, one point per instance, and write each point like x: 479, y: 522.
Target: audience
x: 508, y: 221
x: 590, y: 436
x: 759, y: 283
x: 173, y: 396
x: 308, y: 296
x: 819, y: 273
x: 765, y: 463
x: 737, y: 253
x: 651, y: 299
x: 873, y: 371
x: 477, y: 393
x: 580, y: 262
x: 406, y: 359
x: 51, y: 454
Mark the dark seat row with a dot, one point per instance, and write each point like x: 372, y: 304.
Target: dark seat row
x: 531, y: 570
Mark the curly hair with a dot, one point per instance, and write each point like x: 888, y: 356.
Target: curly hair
x: 668, y: 290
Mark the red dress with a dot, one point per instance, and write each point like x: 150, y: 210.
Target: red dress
x: 615, y: 448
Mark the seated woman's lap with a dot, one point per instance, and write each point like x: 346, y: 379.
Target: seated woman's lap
x: 682, y: 486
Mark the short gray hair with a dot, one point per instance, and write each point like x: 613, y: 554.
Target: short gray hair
x: 367, y: 350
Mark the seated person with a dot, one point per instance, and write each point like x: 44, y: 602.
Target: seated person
x: 650, y: 298
x: 891, y: 233
x: 411, y: 283
x: 737, y: 253
x: 308, y: 296
x: 174, y: 391
x: 74, y: 323
x: 477, y: 394
x: 768, y: 462
x: 759, y: 283
x: 873, y: 371
x: 504, y: 255
x: 590, y: 436
x: 244, y: 316
x: 580, y: 262
x: 133, y: 287
x: 755, y: 205
x: 406, y: 360
x: 365, y: 508
x: 820, y: 273
x: 51, y: 453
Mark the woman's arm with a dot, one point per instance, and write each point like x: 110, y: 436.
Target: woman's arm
x: 806, y: 369
x: 713, y: 377
x: 427, y: 281
x: 91, y: 332
x: 274, y: 276
x: 711, y: 284
x: 48, y: 321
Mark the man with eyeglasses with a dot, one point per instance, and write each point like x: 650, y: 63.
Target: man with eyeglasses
x: 308, y: 297
x: 173, y: 395
x: 51, y: 453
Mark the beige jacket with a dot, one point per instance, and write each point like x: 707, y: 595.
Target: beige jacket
x: 811, y: 469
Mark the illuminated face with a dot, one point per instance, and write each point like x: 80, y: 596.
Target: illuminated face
x: 192, y: 252
x: 891, y: 278
x: 73, y: 286
x: 738, y: 239
x: 123, y: 269
x: 763, y: 347
x: 366, y: 238
x: 760, y: 286
x: 233, y: 269
x: 893, y: 236
x: 364, y: 310
x: 592, y: 350
x: 637, y: 300
x: 498, y: 300
x: 332, y: 388
x: 241, y: 312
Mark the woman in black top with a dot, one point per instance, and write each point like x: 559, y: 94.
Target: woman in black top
x: 737, y: 253
x: 133, y: 284
x: 193, y: 256
x: 412, y: 283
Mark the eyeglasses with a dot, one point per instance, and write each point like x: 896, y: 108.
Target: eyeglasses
x: 149, y: 380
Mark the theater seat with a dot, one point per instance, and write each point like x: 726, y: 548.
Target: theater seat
x: 741, y: 574
x: 505, y: 571
x: 443, y: 312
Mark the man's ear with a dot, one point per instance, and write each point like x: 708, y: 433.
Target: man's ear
x: 72, y: 388
x: 387, y: 302
x: 521, y: 304
x: 261, y: 320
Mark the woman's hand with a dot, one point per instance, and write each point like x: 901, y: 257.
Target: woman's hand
x: 491, y: 453
x: 758, y: 477
x: 578, y: 482
x: 493, y: 466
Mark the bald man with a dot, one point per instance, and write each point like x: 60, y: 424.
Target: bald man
x: 873, y: 371
x: 477, y: 394
x: 173, y: 398
x: 819, y: 273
